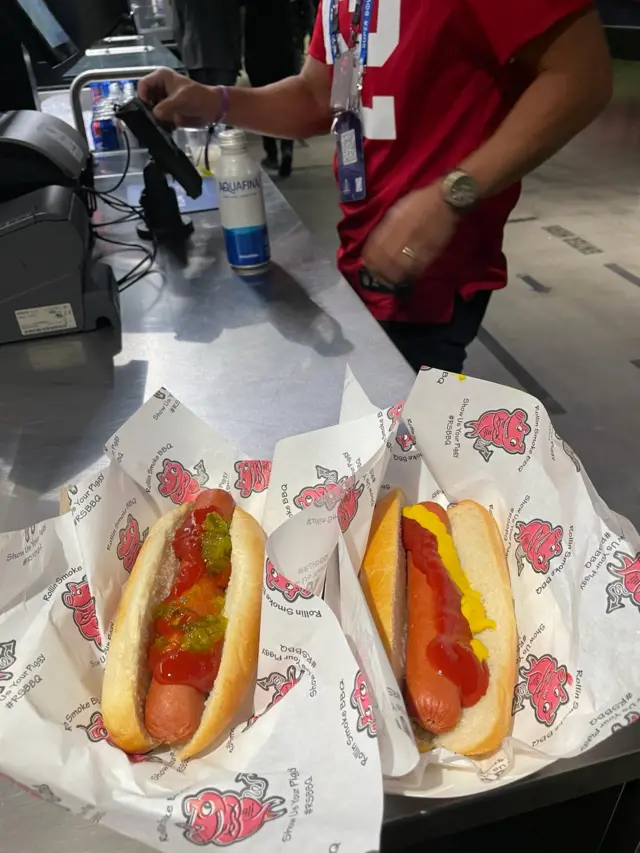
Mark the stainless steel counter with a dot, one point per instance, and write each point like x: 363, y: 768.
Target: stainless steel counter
x: 257, y: 362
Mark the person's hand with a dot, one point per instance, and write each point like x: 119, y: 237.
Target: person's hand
x: 422, y: 222
x: 179, y: 101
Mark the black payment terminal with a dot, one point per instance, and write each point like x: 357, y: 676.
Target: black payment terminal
x: 141, y: 121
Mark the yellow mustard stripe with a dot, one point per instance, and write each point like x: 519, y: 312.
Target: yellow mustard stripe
x: 479, y: 649
x: 471, y: 605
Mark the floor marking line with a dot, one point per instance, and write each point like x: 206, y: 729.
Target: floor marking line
x: 623, y: 273
x: 520, y: 373
x: 534, y: 284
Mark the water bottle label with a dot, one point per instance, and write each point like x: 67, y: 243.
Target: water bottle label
x: 247, y: 247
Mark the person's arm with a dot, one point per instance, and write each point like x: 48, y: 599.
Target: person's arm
x: 295, y: 108
x: 572, y: 83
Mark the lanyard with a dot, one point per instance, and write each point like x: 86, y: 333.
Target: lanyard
x: 362, y: 15
x: 367, y: 14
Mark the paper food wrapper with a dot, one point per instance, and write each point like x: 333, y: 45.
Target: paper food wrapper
x: 300, y: 769
x: 574, y: 564
x: 303, y: 766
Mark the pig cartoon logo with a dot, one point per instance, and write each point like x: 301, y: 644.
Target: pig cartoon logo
x: 179, y: 484
x: 395, y: 413
x: 348, y: 508
x: 538, y: 544
x: 544, y: 686
x: 130, y: 542
x: 629, y: 719
x: 406, y: 441
x: 253, y: 476
x: 96, y: 731
x: 282, y: 684
x: 223, y: 818
x: 330, y: 492
x: 361, y: 702
x: 78, y: 598
x: 570, y: 453
x: 277, y: 582
x: 626, y: 587
x: 7, y: 659
x: 499, y: 430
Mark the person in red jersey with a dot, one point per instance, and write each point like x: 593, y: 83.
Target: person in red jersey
x: 448, y: 106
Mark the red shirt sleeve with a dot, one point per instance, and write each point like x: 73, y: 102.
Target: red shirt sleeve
x: 317, y: 47
x: 510, y: 25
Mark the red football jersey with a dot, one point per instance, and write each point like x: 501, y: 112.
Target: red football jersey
x: 438, y: 83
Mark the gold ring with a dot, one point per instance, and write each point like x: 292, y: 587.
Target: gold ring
x: 410, y: 253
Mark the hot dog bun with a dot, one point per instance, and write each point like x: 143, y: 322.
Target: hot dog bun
x: 383, y: 577
x: 127, y: 677
x: 479, y: 544
x: 480, y: 728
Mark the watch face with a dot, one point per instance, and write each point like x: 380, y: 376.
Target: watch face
x: 463, y: 192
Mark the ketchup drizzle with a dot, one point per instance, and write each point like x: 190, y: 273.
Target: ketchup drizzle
x: 450, y: 651
x: 177, y: 656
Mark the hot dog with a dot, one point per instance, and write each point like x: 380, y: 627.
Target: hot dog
x: 437, y: 707
x: 453, y: 644
x: 184, y: 645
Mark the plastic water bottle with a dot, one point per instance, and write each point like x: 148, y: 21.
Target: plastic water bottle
x: 129, y: 90
x: 241, y: 200
x: 115, y: 93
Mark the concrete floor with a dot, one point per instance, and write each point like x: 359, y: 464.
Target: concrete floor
x: 567, y: 329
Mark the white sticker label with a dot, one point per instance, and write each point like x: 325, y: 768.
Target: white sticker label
x: 48, y: 318
x: 349, y: 148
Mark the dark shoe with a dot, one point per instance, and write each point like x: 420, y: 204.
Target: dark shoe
x: 286, y: 165
x: 270, y: 164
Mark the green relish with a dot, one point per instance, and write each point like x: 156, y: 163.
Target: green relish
x: 201, y: 634
x: 216, y: 543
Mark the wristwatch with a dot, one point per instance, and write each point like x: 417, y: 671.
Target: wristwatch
x: 460, y: 190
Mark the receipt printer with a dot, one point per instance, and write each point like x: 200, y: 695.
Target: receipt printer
x: 49, y: 284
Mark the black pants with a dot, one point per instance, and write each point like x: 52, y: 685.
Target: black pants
x: 271, y: 147
x: 441, y: 345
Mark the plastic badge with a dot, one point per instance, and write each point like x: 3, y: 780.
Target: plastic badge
x: 351, y: 171
x: 342, y: 87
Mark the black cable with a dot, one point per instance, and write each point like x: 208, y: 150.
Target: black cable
x: 118, y: 204
x: 128, y: 217
x: 124, y: 284
x: 126, y: 245
x: 131, y: 247
x: 146, y: 264
x: 126, y: 167
x: 133, y: 276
